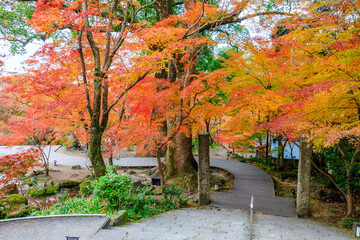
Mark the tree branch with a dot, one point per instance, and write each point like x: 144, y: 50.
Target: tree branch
x: 232, y: 19
x: 328, y: 177
x: 83, y: 70
x: 123, y: 93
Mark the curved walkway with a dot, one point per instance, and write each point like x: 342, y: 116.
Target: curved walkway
x: 248, y: 181
x: 251, y: 181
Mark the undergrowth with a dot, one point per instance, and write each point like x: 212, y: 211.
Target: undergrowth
x: 114, y: 192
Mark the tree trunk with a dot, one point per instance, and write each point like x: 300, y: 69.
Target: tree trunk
x: 46, y: 170
x: 281, y: 147
x: 350, y: 201
x: 163, y: 9
x: 170, y: 160
x: 111, y: 162
x: 180, y: 160
x: 160, y: 167
x: 350, y: 178
x: 267, y: 145
x: 96, y: 158
x: 184, y: 159
x: 304, y: 173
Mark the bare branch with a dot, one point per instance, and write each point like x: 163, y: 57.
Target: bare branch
x: 232, y: 19
x: 328, y: 176
x: 126, y: 90
x: 199, y: 19
x: 83, y: 70
x: 145, y: 6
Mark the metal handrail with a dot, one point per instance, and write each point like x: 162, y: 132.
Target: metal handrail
x: 251, y: 216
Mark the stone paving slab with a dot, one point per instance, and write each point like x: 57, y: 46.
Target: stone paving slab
x: 273, y: 227
x: 51, y: 228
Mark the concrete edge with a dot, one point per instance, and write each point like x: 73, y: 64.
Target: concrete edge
x: 54, y: 216
x: 105, y: 225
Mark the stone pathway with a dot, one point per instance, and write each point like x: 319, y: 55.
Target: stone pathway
x: 231, y: 222
x: 211, y: 224
x: 53, y: 228
x: 248, y: 181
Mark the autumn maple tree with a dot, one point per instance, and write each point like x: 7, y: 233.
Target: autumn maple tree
x: 98, y: 31
x: 309, y: 75
x: 17, y: 165
x: 329, y: 52
x: 103, y: 49
x: 201, y: 20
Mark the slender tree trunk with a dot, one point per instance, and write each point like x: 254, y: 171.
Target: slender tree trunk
x: 304, y: 172
x: 349, y: 201
x: 96, y: 158
x: 267, y: 145
x: 283, y: 162
x: 111, y: 162
x: 160, y: 167
x: 260, y: 148
x: 350, y: 178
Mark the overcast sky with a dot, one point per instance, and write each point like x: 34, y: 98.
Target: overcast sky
x: 14, y: 64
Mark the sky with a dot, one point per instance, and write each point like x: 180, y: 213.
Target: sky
x: 13, y: 63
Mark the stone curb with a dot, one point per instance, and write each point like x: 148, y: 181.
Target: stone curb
x: 118, y: 219
x: 53, y: 216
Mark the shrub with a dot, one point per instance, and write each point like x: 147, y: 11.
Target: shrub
x: 114, y: 192
x: 85, y: 187
x: 222, y: 181
x: 175, y: 195
x: 2, y: 212
x: 112, y: 187
x: 17, y: 199
x: 347, y: 222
